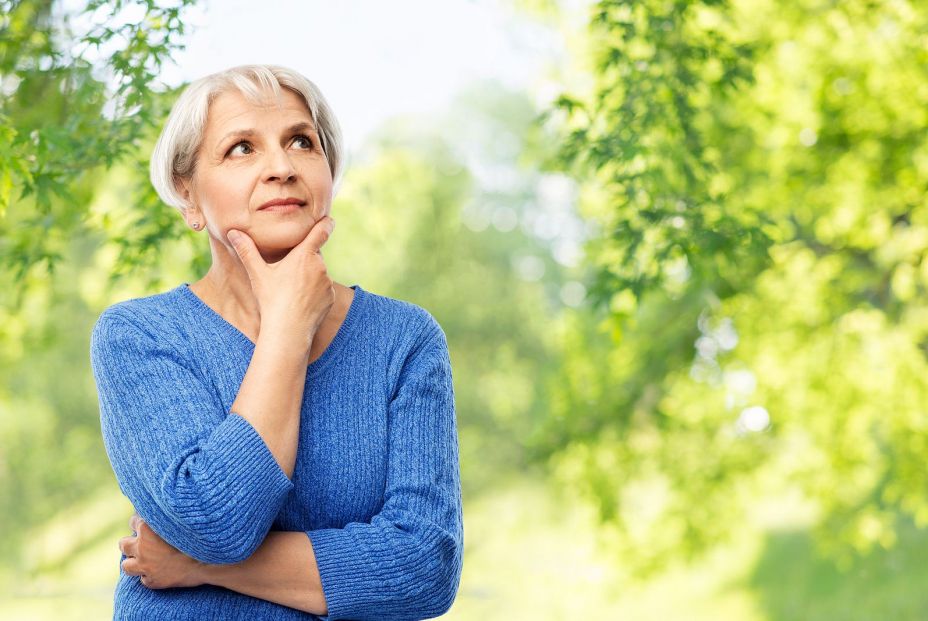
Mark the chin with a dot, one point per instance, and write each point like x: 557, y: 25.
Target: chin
x: 284, y: 238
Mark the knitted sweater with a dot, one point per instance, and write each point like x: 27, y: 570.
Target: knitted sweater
x: 376, y: 485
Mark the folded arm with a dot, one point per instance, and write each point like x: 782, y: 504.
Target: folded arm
x: 406, y: 563
x: 204, y: 478
x: 282, y: 570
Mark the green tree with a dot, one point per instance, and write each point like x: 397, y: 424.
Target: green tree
x: 758, y: 172
x: 79, y: 97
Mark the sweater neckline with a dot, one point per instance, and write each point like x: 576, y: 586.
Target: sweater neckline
x: 332, y: 351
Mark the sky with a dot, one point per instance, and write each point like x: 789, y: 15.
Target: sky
x: 374, y: 59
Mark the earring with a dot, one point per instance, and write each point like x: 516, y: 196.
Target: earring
x: 196, y: 226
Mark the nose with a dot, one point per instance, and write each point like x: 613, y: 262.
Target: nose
x: 278, y: 166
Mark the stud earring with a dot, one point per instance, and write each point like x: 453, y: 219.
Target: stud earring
x: 196, y: 226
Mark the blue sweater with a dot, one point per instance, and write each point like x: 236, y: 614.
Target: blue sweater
x: 376, y: 486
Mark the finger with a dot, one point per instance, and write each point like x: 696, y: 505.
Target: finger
x: 318, y: 235
x: 129, y: 546
x: 247, y: 252
x: 131, y: 567
x: 148, y: 534
x: 138, y: 525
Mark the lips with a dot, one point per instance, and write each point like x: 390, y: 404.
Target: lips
x: 282, y: 201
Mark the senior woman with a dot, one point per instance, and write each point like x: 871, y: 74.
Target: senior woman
x: 289, y: 443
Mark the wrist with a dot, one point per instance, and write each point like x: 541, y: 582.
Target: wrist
x: 211, y: 574
x: 286, y: 340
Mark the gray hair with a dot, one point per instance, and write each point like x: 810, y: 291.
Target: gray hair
x: 175, y: 153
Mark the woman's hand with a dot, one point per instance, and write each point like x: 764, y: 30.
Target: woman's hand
x: 294, y: 294
x: 160, y: 565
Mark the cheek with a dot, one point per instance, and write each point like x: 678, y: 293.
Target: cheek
x: 320, y: 182
x: 226, y: 196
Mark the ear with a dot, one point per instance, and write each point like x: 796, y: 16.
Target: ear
x: 193, y: 218
x: 191, y: 211
x: 183, y: 187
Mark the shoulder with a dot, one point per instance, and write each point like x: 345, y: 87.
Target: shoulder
x: 417, y: 348
x: 407, y: 325
x: 141, y: 319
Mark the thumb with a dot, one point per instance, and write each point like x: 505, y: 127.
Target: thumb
x: 318, y: 235
x: 244, y: 248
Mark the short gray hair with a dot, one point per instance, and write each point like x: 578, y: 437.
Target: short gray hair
x: 175, y: 153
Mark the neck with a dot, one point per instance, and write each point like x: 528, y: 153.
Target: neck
x: 229, y: 287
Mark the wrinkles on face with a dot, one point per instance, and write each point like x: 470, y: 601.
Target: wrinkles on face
x: 272, y: 162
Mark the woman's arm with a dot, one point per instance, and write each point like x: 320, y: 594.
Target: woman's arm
x: 211, y: 478
x: 282, y: 570
x: 202, y: 477
x: 407, y: 562
x: 294, y: 296
x: 271, y: 393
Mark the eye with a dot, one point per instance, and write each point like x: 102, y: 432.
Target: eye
x: 304, y: 139
x: 244, y: 144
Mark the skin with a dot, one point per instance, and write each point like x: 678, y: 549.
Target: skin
x: 282, y: 570
x: 271, y: 283
x: 232, y: 179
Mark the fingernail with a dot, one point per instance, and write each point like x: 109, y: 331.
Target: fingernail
x: 233, y: 236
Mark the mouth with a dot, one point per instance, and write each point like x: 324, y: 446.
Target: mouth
x: 281, y: 204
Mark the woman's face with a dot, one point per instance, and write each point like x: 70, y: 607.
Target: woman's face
x: 252, y: 154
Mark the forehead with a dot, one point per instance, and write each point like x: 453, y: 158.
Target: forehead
x: 231, y: 110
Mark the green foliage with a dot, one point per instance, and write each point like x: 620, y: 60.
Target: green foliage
x: 652, y: 130
x: 74, y: 103
x: 755, y: 173
x: 52, y: 453
x: 759, y: 170
x: 78, y: 100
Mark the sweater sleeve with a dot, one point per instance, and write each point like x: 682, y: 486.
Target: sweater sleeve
x: 406, y: 563
x: 201, y: 477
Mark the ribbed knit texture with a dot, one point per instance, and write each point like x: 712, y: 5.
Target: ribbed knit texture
x: 376, y: 486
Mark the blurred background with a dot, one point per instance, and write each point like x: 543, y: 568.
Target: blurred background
x: 678, y: 249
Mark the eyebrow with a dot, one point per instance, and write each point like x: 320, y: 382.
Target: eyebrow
x: 245, y: 133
